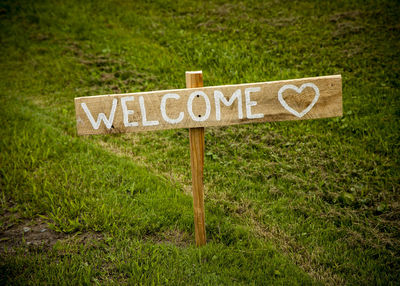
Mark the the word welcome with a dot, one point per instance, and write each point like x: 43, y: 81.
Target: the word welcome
x: 218, y: 99
x: 210, y: 106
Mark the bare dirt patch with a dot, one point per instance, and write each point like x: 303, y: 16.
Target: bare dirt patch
x: 28, y: 232
x: 175, y: 237
x: 17, y: 233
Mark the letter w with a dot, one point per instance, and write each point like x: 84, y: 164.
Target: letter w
x: 108, y: 122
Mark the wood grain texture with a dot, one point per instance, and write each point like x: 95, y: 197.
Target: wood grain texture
x: 196, y: 136
x: 244, y: 103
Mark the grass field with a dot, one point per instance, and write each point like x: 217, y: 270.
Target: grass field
x: 305, y: 202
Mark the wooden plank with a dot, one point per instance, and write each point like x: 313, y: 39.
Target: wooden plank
x: 196, y: 136
x: 307, y: 98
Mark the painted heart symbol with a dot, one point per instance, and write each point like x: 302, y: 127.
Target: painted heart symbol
x: 298, y: 90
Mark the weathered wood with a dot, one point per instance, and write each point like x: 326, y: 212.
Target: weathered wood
x: 196, y: 136
x: 307, y: 98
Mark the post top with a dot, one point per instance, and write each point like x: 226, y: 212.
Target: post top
x: 194, y: 72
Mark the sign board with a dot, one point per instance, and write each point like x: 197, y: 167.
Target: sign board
x: 306, y: 98
x: 198, y: 106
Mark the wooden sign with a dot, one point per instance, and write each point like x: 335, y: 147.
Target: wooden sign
x: 306, y: 98
x: 197, y: 107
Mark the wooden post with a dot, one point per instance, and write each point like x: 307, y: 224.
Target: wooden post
x: 196, y: 136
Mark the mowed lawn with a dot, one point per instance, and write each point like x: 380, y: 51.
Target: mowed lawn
x: 302, y: 202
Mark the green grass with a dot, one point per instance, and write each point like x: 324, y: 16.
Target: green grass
x: 306, y: 202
